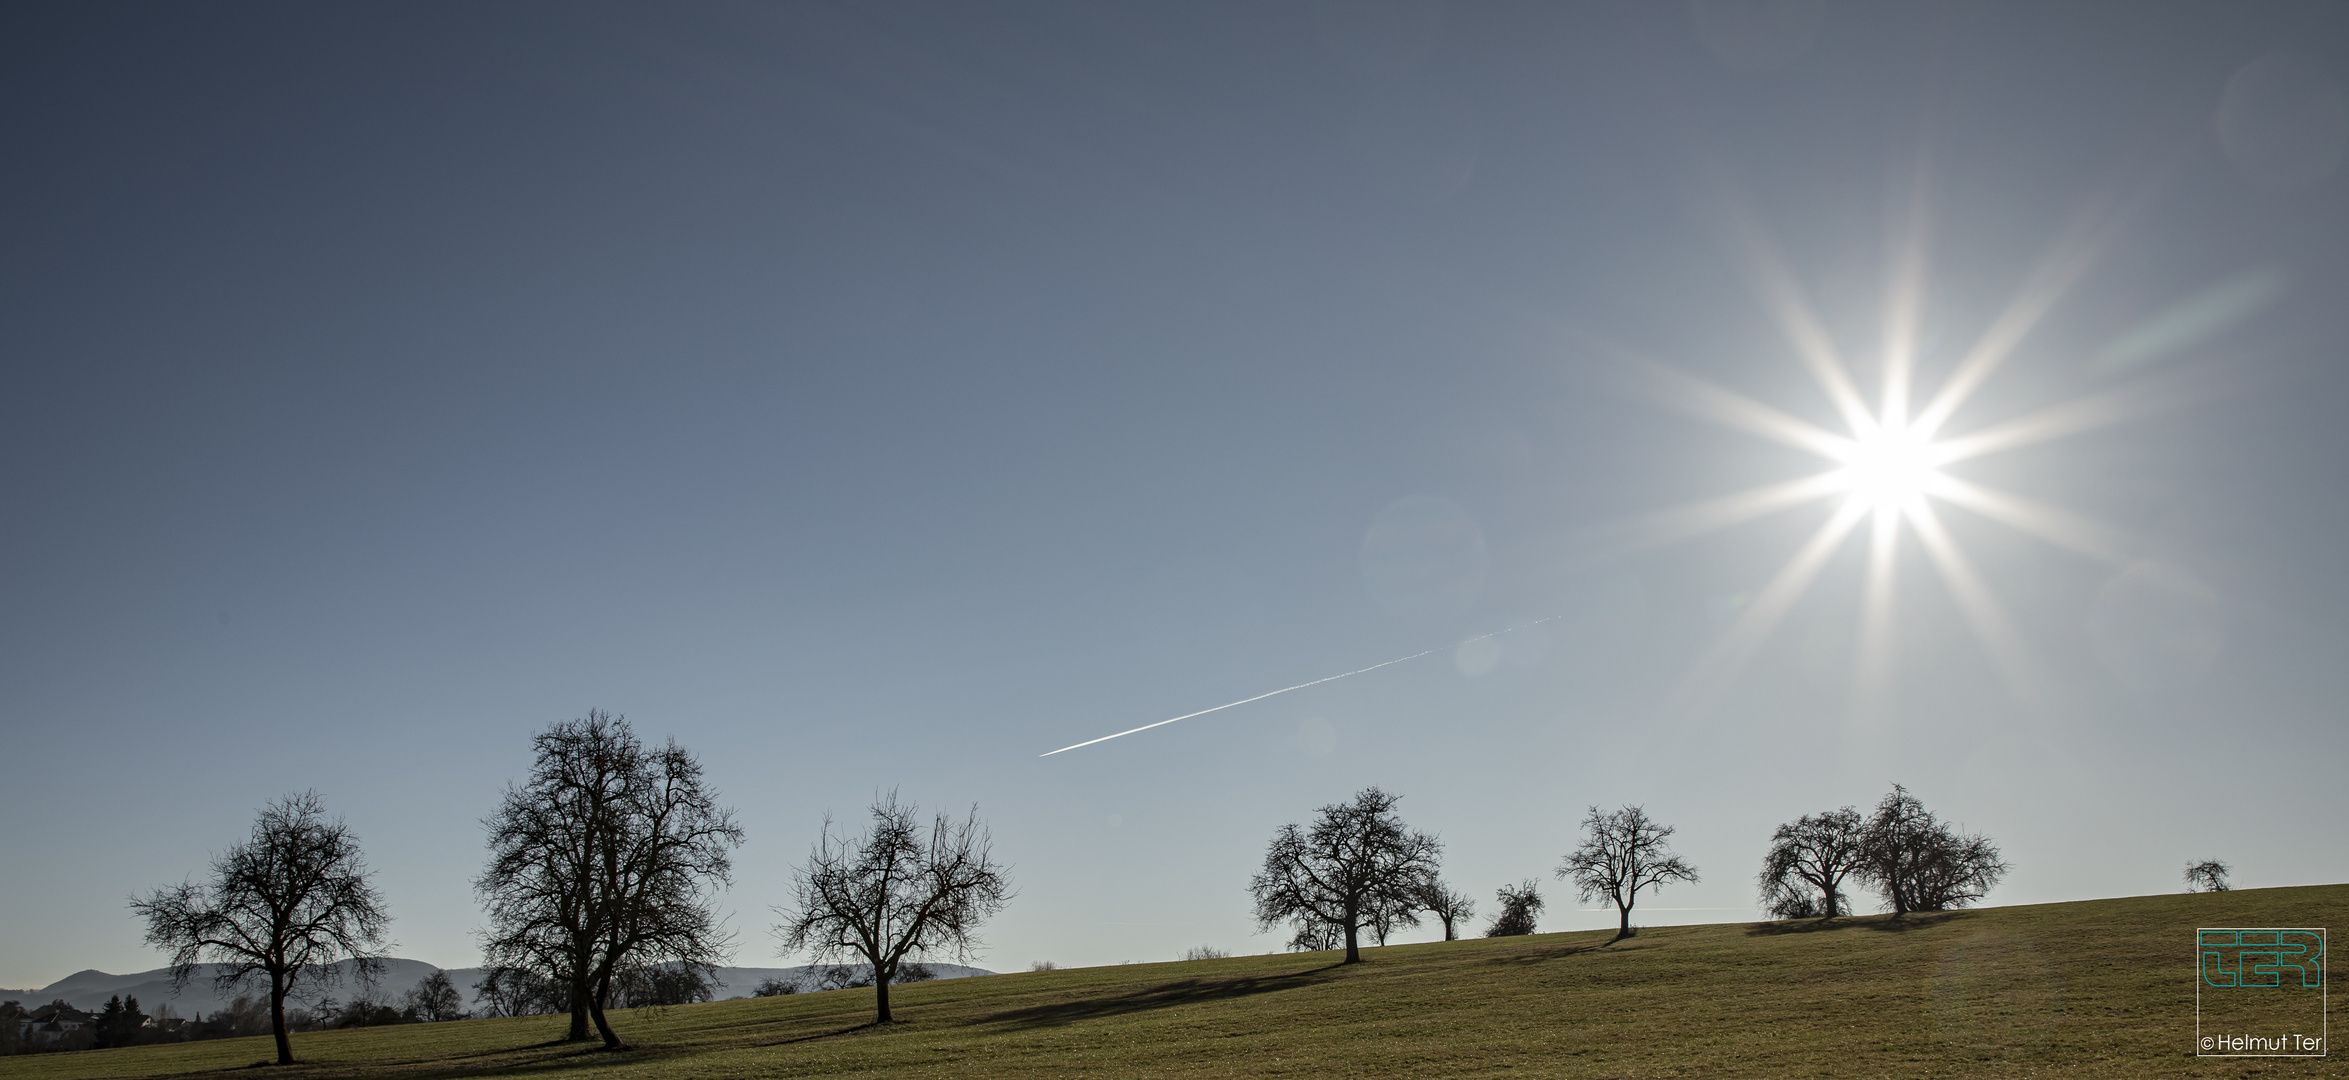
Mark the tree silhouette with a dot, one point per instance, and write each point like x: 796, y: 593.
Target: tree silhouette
x: 1358, y: 865
x: 896, y: 893
x: 602, y: 862
x: 1919, y: 863
x: 1448, y: 905
x: 1622, y: 852
x: 285, y: 905
x: 2209, y: 875
x: 1802, y: 876
x: 1520, y: 905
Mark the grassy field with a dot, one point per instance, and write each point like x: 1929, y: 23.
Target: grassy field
x: 2101, y: 988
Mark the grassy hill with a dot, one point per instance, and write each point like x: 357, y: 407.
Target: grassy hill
x: 2101, y: 988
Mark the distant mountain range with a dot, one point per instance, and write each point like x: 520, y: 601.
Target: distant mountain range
x: 90, y: 989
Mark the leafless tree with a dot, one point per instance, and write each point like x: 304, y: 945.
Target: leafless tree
x: 1448, y: 906
x: 604, y: 860
x: 1389, y: 915
x: 1622, y: 852
x: 434, y: 998
x: 513, y: 991
x: 640, y: 986
x: 1802, y: 876
x: 2209, y: 875
x: 1314, y: 935
x: 284, y: 905
x: 1357, y: 866
x: 1520, y: 904
x: 894, y: 895
x: 844, y: 977
x: 1918, y: 863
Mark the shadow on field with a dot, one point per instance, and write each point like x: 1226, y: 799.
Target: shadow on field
x: 1160, y: 996
x: 1538, y: 956
x: 556, y: 1057
x: 541, y: 1057
x: 850, y: 1030
x: 1883, y: 924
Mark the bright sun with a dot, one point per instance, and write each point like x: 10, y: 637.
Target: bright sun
x: 1889, y: 467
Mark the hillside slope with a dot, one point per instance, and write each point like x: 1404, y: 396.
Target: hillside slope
x: 2102, y: 988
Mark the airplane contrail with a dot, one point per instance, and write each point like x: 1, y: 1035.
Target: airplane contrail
x: 1299, y: 686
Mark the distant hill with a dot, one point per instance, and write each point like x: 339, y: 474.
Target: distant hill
x: 90, y: 989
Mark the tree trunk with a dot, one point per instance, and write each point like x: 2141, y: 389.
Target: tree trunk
x: 1353, y: 950
x: 1623, y: 925
x: 881, y: 996
x: 595, y: 1006
x: 582, y: 982
x: 277, y: 991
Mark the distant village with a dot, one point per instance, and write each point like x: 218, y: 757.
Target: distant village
x: 60, y: 1026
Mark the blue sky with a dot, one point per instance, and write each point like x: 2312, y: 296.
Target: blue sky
x: 881, y: 396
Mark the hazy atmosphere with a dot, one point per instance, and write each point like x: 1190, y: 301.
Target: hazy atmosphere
x: 881, y: 396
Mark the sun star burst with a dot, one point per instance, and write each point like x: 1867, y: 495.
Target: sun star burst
x: 1889, y: 466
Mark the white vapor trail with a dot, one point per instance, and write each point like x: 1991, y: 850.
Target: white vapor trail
x: 1299, y: 686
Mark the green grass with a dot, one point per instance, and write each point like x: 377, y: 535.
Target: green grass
x: 2101, y: 988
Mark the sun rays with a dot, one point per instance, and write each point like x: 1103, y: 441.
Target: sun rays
x: 1887, y: 468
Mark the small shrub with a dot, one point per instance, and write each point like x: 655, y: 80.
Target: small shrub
x: 1795, y: 904
x: 2209, y: 875
x: 1205, y: 952
x: 1519, y: 905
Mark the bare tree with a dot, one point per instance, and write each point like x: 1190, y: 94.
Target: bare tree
x: 1390, y: 915
x: 1918, y: 863
x: 640, y: 986
x: 1313, y: 935
x: 1520, y: 904
x: 891, y: 894
x: 2209, y: 875
x: 1802, y: 876
x: 513, y: 991
x: 1358, y: 866
x: 434, y: 998
x: 1622, y: 852
x: 603, y: 862
x: 285, y: 905
x: 1448, y: 906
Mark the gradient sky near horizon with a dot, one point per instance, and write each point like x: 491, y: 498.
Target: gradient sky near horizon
x: 879, y: 396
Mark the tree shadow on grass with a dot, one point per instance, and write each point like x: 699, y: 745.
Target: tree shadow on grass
x: 1554, y: 952
x: 1159, y: 996
x: 851, y: 1030
x: 1883, y: 924
x: 567, y: 1058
